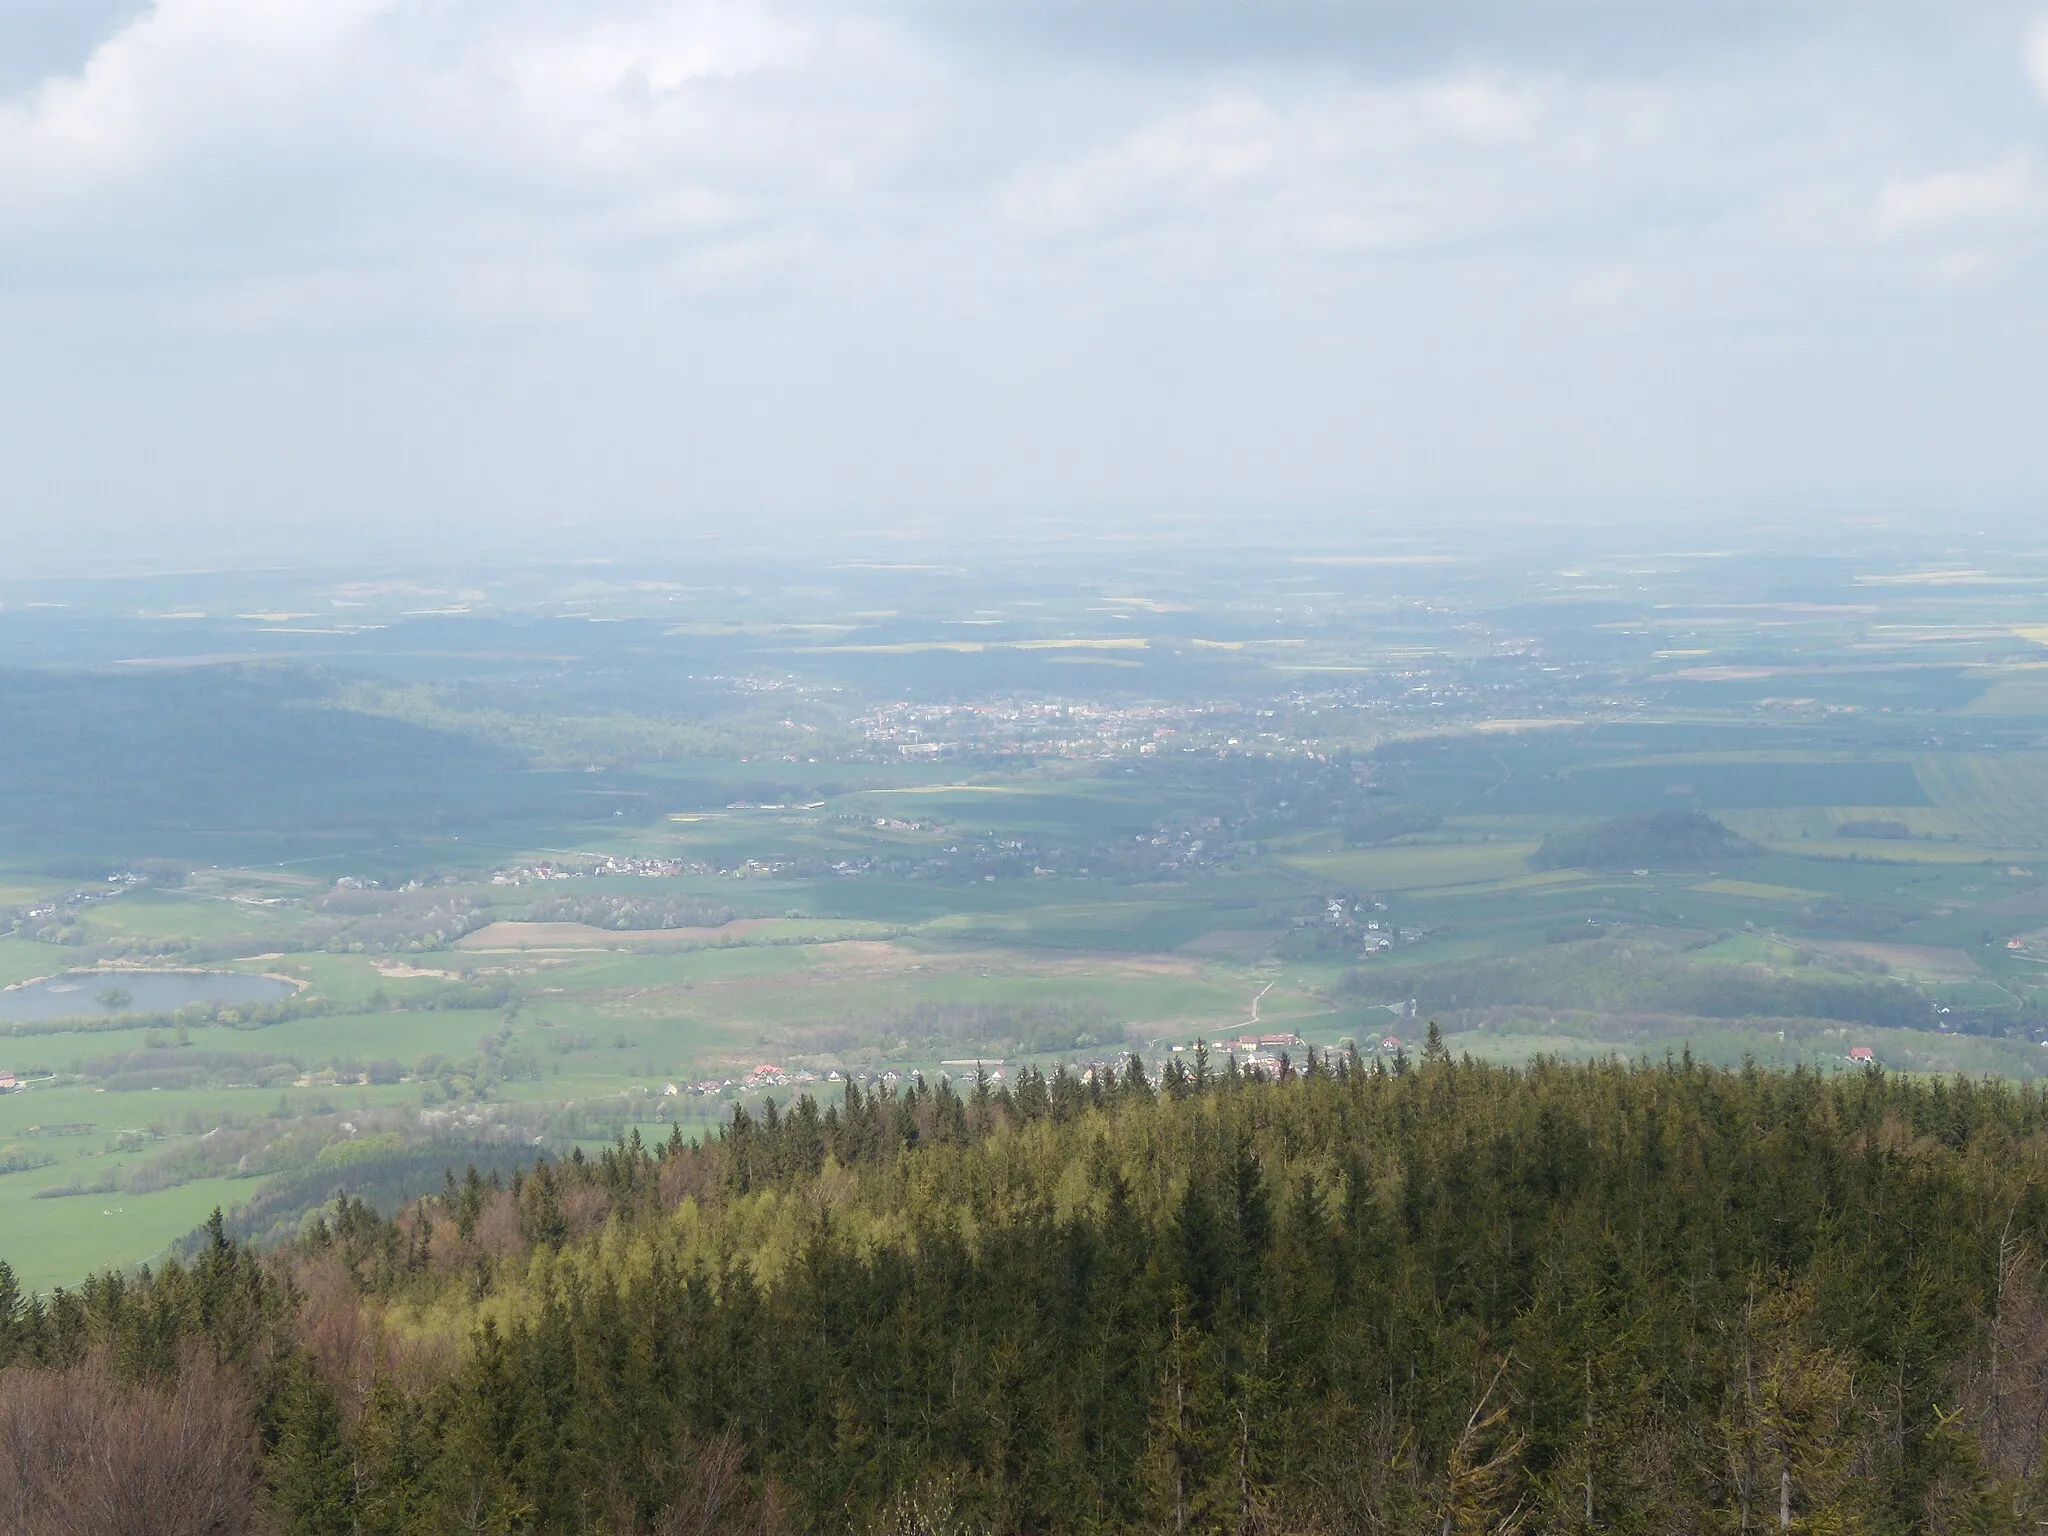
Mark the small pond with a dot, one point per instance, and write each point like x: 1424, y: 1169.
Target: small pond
x: 105, y: 994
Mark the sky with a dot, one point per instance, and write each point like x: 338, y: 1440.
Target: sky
x: 315, y: 274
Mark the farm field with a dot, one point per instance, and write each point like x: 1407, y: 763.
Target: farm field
x: 54, y: 1242
x: 529, y: 866
x: 1421, y: 866
x: 2001, y: 799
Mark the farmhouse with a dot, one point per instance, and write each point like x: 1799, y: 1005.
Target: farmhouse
x: 7, y: 1082
x: 1862, y: 1053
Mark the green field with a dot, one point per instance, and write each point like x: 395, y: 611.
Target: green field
x: 876, y: 820
x: 2000, y: 800
x: 54, y: 1242
x: 1421, y: 866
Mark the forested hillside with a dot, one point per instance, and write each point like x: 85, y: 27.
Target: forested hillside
x: 1657, y: 840
x: 1445, y: 1298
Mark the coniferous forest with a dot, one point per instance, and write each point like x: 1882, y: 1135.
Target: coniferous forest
x: 1445, y: 1298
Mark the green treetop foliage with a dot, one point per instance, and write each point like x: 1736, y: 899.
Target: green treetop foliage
x: 1446, y: 1298
x: 1658, y: 840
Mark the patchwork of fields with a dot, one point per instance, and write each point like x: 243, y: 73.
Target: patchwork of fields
x: 531, y: 871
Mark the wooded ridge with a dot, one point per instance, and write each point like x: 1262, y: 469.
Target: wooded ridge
x: 1448, y: 1297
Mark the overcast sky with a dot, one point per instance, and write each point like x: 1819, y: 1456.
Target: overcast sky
x: 321, y: 270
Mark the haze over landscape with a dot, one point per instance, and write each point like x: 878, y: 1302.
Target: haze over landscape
x: 935, y: 769
x: 478, y: 270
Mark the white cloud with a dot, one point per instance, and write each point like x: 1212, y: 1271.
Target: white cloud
x: 1483, y: 109
x: 392, y: 126
x: 898, y: 232
x: 1338, y: 166
x: 274, y: 138
x: 183, y: 73
x: 2037, y: 56
x: 1185, y: 158
x: 1962, y: 199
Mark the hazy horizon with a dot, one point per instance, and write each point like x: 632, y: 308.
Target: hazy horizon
x: 287, y: 281
x: 1421, y: 538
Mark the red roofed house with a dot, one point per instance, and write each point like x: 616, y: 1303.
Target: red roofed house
x: 1862, y: 1053
x: 7, y: 1083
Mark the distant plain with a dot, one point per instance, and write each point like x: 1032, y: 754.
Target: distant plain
x: 538, y: 863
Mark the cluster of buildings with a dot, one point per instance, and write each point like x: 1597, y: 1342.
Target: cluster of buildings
x: 766, y: 1075
x: 1364, y: 919
x: 72, y: 901
x: 1257, y: 1055
x: 1295, y: 723
x: 600, y: 864
x: 1030, y: 727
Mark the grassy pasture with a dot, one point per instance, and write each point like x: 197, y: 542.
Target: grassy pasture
x: 701, y: 1015
x: 1755, y: 890
x: 1143, y: 996
x: 1903, y: 852
x: 21, y: 960
x: 1106, y: 924
x: 1419, y: 866
x: 1713, y: 784
x: 350, y: 980
x: 1749, y: 949
x: 53, y: 1242
x: 2016, y: 691
x: 171, y: 917
x: 502, y: 937
x: 898, y: 903
x: 404, y: 1037
x: 1821, y: 823
x: 1079, y: 811
x: 1999, y: 799
x: 575, y: 973
x: 1922, y: 961
x: 1547, y: 882
x: 312, y: 1042
x: 1936, y: 835
x: 50, y: 1242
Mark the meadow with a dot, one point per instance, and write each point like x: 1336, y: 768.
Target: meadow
x: 854, y: 842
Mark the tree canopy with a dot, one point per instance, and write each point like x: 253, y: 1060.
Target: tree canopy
x: 1448, y: 1296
